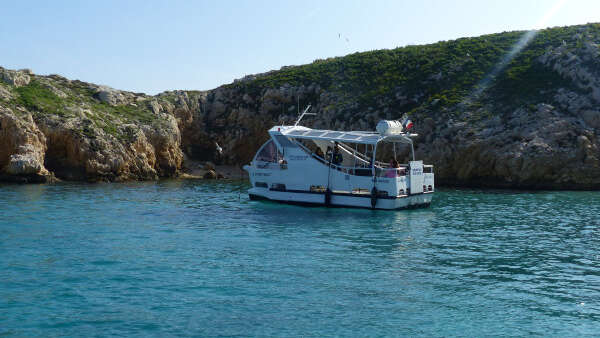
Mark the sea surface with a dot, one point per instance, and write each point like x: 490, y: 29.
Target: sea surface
x: 196, y: 258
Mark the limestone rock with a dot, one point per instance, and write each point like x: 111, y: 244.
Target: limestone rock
x: 166, y: 140
x: 23, y: 164
x: 155, y: 106
x: 14, y: 78
x: 592, y: 118
x: 211, y: 175
x: 548, y: 138
x: 22, y: 146
x: 5, y: 94
x: 110, y: 96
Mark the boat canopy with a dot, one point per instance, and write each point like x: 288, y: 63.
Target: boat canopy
x: 361, y: 137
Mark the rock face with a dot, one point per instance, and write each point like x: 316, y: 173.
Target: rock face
x: 110, y: 96
x: 533, y: 123
x: 103, y: 136
x: 15, y: 78
x: 23, y: 148
x: 542, y: 148
x: 544, y: 136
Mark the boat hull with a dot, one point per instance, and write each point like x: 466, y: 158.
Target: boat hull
x: 345, y: 200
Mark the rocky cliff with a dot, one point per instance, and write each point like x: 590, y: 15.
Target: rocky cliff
x: 51, y: 127
x: 489, y: 112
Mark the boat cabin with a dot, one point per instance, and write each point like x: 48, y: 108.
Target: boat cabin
x: 331, y: 167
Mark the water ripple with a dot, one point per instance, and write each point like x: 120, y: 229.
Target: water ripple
x: 198, y: 258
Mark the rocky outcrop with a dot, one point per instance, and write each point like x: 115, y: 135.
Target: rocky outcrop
x: 39, y: 150
x: 545, y: 146
x: 15, y: 78
x: 547, y: 138
x: 23, y: 148
x: 86, y: 140
x: 110, y: 96
x: 576, y: 64
x: 534, y: 124
x: 530, y: 149
x: 148, y: 153
x: 5, y: 94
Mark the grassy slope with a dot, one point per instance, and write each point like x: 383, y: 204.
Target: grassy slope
x: 376, y: 76
x: 38, y: 98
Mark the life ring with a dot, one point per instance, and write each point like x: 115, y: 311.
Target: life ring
x: 373, y: 197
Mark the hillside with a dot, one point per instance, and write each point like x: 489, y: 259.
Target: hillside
x: 488, y: 114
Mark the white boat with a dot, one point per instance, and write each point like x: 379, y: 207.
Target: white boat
x: 291, y: 167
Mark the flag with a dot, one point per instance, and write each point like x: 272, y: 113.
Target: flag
x: 407, y: 124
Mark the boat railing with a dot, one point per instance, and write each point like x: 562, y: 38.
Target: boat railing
x: 363, y: 169
x: 352, y: 170
x: 391, y: 172
x: 366, y: 171
x: 359, y: 156
x: 310, y: 152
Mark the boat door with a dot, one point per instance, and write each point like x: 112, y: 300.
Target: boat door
x: 416, y: 177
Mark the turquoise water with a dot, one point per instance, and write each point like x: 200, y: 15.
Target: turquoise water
x: 193, y: 258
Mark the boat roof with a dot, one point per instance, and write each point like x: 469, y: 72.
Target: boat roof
x: 362, y: 137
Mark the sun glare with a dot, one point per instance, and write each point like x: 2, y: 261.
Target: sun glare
x: 514, y: 51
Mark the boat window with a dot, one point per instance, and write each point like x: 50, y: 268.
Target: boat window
x: 285, y: 142
x: 278, y: 186
x: 311, y: 147
x: 268, y: 153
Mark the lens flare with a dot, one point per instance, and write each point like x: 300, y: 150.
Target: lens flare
x: 487, y: 80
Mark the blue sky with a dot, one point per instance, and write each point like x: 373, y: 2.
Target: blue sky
x: 151, y: 46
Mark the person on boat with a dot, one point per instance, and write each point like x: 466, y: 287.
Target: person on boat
x: 337, y: 156
x: 319, y: 152
x: 283, y: 163
x: 329, y: 154
x: 393, y: 170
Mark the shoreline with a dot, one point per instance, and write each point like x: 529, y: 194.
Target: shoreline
x: 231, y: 173
x: 193, y: 169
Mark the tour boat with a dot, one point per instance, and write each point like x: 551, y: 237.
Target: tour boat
x: 300, y: 165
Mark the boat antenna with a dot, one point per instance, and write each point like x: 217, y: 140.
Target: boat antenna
x: 305, y: 112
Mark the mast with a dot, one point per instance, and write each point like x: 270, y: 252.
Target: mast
x: 305, y: 112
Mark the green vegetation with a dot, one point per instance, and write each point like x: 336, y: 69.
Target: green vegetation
x: 106, y: 117
x: 448, y: 71
x: 38, y: 98
x: 471, y: 75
